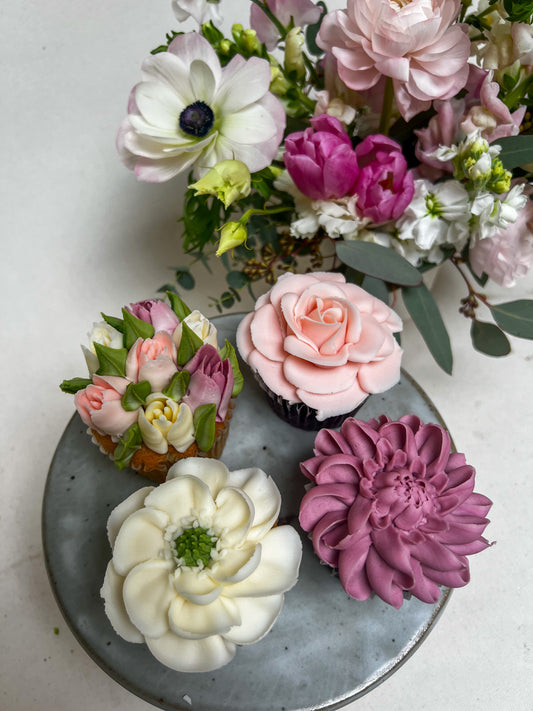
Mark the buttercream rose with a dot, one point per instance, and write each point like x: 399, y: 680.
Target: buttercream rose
x: 211, y: 381
x: 152, y: 359
x: 315, y: 339
x: 100, y: 405
x: 198, y: 566
x: 393, y: 508
x: 157, y: 313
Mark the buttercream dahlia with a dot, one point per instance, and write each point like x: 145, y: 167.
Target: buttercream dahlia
x: 198, y: 564
x: 393, y: 509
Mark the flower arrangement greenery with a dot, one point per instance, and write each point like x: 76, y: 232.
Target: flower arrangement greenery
x: 379, y: 140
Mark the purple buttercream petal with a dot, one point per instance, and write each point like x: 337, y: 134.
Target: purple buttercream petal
x: 352, y: 570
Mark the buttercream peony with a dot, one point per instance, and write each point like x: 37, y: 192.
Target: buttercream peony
x: 413, y: 43
x: 314, y: 338
x: 393, y: 508
x: 152, y: 359
x: 211, y: 381
x: 100, y: 405
x: 302, y: 12
x: 198, y: 566
x: 155, y: 312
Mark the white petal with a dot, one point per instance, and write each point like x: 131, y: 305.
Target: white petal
x: 148, y: 592
x: 182, y: 496
x: 196, y: 586
x: 196, y: 621
x: 203, y: 81
x: 211, y: 471
x: 192, y: 655
x: 190, y: 47
x: 114, y: 606
x: 278, y: 570
x: 140, y: 538
x: 169, y: 69
x: 265, y: 497
x: 120, y: 513
x: 158, y: 105
x: 236, y: 564
x: 253, y: 74
x: 258, y: 614
x: 233, y: 517
x: 251, y: 125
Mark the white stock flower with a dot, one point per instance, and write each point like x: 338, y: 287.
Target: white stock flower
x: 198, y: 566
x: 200, y: 10
x: 105, y: 335
x: 163, y: 421
x: 491, y: 214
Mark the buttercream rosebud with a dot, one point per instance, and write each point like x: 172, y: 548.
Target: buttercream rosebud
x: 232, y: 235
x: 228, y: 180
x: 294, y: 61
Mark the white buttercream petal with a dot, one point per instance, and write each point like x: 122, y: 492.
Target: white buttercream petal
x: 152, y: 437
x: 211, y: 471
x: 192, y: 655
x: 258, y: 614
x: 120, y: 513
x: 233, y: 517
x: 265, y: 497
x: 148, y: 592
x: 236, y: 564
x: 196, y: 621
x: 180, y: 497
x: 196, y: 586
x: 140, y: 539
x: 114, y: 606
x: 278, y: 570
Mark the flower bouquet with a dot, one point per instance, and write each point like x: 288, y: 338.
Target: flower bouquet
x: 378, y: 140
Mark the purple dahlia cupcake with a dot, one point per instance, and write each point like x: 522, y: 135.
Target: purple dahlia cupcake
x: 393, y: 508
x: 319, y: 346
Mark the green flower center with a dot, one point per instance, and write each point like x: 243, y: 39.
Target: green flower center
x: 197, y: 119
x: 433, y: 206
x: 195, y: 545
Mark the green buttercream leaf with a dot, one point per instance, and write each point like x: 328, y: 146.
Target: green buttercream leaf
x: 228, y: 351
x: 204, y: 426
x: 177, y: 387
x: 127, y: 445
x: 135, y: 328
x: 189, y: 344
x: 112, y: 360
x: 72, y: 386
x: 135, y: 395
x: 117, y: 323
x: 179, y: 307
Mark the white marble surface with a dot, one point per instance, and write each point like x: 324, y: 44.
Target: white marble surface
x: 80, y: 235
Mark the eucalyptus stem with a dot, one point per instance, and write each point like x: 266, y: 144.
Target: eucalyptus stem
x: 386, y: 111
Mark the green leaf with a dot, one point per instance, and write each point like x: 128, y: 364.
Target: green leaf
x: 377, y: 288
x: 227, y: 300
x: 177, y: 387
x: 489, y: 339
x: 179, y: 307
x: 189, y: 344
x: 236, y: 279
x: 204, y: 426
x: 112, y: 361
x: 72, y: 386
x: 117, y: 323
x: 516, y: 151
x: 228, y: 351
x: 379, y: 262
x: 185, y: 279
x: 127, y: 445
x: 135, y: 395
x: 515, y: 317
x: 426, y: 316
x: 135, y: 328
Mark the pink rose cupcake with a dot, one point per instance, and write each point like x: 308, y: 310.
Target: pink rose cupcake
x: 393, y: 508
x: 159, y: 389
x: 319, y: 346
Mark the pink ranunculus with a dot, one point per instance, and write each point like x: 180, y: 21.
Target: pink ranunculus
x: 507, y: 255
x: 384, y: 186
x: 315, y: 339
x: 100, y: 407
x: 321, y: 160
x: 415, y: 44
x: 393, y: 508
x: 211, y: 381
x: 157, y: 313
x: 152, y: 359
x: 303, y: 12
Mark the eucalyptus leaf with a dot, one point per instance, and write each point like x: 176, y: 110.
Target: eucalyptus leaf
x: 237, y: 279
x: 489, y: 339
x: 74, y: 384
x: 379, y: 262
x: 135, y: 395
x: 204, y: 426
x: 128, y: 444
x: 426, y: 316
x: 377, y: 288
x: 189, y: 344
x: 135, y: 328
x: 179, y: 307
x: 515, y: 317
x: 177, y: 387
x: 185, y: 279
x: 112, y: 361
x: 516, y: 151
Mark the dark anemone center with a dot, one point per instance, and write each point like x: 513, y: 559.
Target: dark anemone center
x: 197, y: 119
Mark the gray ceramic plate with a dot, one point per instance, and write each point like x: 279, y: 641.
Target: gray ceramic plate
x: 324, y: 651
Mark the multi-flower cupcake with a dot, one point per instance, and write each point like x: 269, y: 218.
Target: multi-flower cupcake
x: 199, y: 566
x: 159, y: 389
x: 393, y: 509
x: 319, y: 346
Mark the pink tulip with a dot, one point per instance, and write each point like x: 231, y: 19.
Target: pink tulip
x: 321, y: 160
x: 152, y: 359
x: 155, y: 312
x: 384, y: 186
x: 211, y: 381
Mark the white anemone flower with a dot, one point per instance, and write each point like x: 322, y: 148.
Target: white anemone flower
x: 198, y: 564
x: 189, y: 112
x: 200, y: 10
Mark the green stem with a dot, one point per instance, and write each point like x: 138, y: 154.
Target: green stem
x: 268, y: 12
x: 265, y: 211
x: 386, y: 111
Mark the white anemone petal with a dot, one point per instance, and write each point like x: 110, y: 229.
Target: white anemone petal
x: 148, y: 592
x: 254, y: 74
x: 196, y: 586
x: 211, y: 471
x: 265, y: 497
x: 140, y: 538
x: 236, y: 564
x: 258, y: 614
x: 195, y: 621
x: 120, y: 513
x: 180, y: 497
x: 114, y: 606
x: 233, y: 517
x: 192, y: 655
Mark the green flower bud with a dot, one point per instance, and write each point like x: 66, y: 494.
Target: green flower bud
x: 228, y: 180
x: 278, y: 84
x: 250, y: 42
x: 294, y: 61
x: 232, y: 235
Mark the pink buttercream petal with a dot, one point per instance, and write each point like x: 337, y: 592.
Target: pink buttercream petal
x: 265, y: 333
x: 338, y: 468
x: 388, y: 583
x: 244, y: 339
x: 352, y: 570
x: 361, y: 437
x: 336, y: 404
x: 380, y: 376
x: 317, y: 380
x: 271, y: 373
x: 330, y: 442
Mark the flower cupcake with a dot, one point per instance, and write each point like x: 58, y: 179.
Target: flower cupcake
x: 159, y: 388
x: 319, y: 346
x: 199, y: 566
x: 393, y: 509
